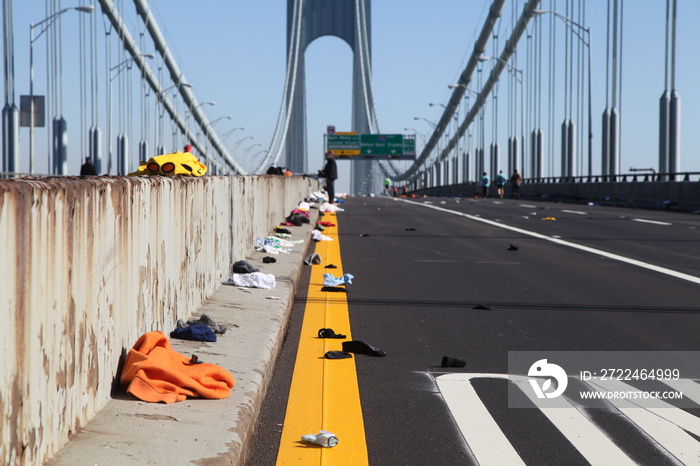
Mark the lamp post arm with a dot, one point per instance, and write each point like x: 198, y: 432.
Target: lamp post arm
x: 50, y: 20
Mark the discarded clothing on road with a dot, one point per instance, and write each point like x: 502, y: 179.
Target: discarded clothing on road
x: 360, y: 347
x: 244, y: 267
x: 205, y: 320
x: 330, y: 280
x: 252, y: 280
x: 326, y: 207
x: 273, y: 245
x: 452, y: 362
x: 318, y: 236
x: 336, y: 289
x: 154, y: 372
x: 312, y: 259
x: 329, y: 333
x: 298, y: 219
x: 337, y: 355
x: 196, y: 332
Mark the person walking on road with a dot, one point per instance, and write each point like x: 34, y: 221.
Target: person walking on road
x: 330, y: 173
x: 500, y: 183
x: 515, y: 181
x: 387, y: 183
x: 485, y: 183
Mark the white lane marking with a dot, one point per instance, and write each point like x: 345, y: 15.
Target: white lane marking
x: 498, y: 262
x: 655, y: 222
x: 585, y: 436
x: 486, y: 440
x: 577, y: 212
x: 528, y: 206
x: 431, y: 260
x: 668, y: 425
x: 609, y: 255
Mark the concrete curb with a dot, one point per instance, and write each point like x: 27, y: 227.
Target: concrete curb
x: 198, y: 431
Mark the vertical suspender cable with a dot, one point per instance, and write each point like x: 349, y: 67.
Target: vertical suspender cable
x: 619, y: 91
x: 663, y: 104
x: 82, y: 60
x: 552, y: 93
x: 579, y: 86
x: 675, y: 105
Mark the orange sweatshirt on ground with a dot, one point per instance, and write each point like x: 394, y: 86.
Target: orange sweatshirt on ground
x: 154, y: 372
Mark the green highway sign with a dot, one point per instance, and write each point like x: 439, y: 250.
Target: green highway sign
x: 381, y: 144
x: 372, y: 146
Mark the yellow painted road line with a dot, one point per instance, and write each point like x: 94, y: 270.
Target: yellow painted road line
x: 324, y: 394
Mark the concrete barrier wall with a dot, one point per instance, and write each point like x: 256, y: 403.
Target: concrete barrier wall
x: 90, y: 264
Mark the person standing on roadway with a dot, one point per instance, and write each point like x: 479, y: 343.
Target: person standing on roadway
x: 387, y: 183
x: 516, y: 180
x: 500, y: 183
x: 485, y: 183
x: 330, y: 173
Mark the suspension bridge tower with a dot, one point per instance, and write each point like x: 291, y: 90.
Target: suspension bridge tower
x: 348, y: 20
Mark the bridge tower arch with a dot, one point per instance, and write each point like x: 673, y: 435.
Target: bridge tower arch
x: 349, y: 20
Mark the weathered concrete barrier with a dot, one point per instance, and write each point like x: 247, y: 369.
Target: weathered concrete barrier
x: 90, y: 264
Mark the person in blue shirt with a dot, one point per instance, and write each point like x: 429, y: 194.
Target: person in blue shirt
x: 500, y: 183
x: 485, y: 183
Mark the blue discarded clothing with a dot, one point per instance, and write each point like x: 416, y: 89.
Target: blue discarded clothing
x: 330, y: 280
x: 196, y: 332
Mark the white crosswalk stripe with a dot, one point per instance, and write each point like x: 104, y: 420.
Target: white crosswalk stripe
x: 670, y: 428
x: 479, y: 429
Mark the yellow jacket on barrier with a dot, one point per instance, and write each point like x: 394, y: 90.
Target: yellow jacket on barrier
x: 177, y: 163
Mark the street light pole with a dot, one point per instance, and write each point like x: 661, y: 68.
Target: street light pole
x: 468, y: 135
x: 119, y: 67
x: 433, y: 125
x: 245, y: 152
x: 238, y: 143
x: 47, y: 22
x: 161, y: 111
x: 522, y: 106
x: 570, y: 22
x: 211, y: 125
x: 230, y: 132
x: 189, y: 112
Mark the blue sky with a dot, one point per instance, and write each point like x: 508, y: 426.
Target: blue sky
x: 233, y: 52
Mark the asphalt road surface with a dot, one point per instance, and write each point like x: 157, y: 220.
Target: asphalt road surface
x: 477, y: 280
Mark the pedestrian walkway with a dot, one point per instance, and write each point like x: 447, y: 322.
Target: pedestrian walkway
x: 200, y: 431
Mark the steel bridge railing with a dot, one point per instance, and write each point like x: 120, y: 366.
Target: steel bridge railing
x: 620, y: 178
